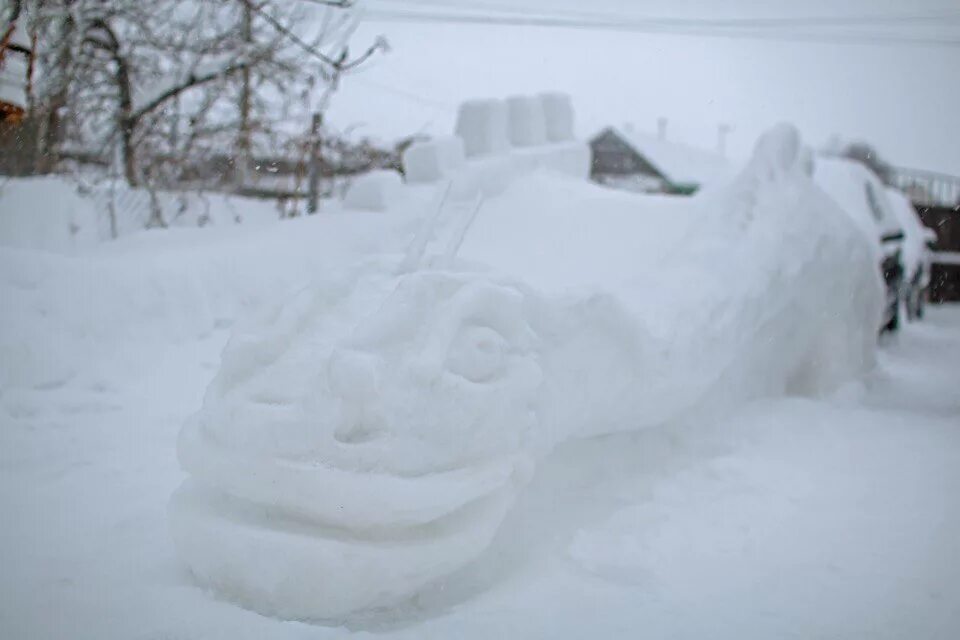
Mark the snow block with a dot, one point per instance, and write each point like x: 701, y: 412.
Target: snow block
x: 483, y: 125
x: 528, y: 125
x: 558, y: 115
x: 432, y: 160
x: 374, y: 191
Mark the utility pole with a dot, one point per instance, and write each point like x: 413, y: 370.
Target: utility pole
x: 242, y: 161
x: 313, y: 184
x: 723, y: 130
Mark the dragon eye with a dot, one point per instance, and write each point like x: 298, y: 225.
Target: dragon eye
x: 477, y: 353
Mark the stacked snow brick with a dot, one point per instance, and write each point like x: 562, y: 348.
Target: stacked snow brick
x: 432, y: 160
x: 484, y: 127
x: 558, y: 116
x: 498, y: 140
x: 528, y: 122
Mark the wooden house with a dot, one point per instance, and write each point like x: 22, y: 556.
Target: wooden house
x: 637, y: 161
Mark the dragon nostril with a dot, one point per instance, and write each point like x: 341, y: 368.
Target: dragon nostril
x: 357, y: 433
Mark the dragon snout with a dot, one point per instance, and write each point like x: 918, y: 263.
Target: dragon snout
x: 354, y: 379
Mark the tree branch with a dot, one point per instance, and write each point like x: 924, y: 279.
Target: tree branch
x: 190, y: 82
x: 338, y: 65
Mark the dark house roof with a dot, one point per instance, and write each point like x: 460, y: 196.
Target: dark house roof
x: 681, y: 168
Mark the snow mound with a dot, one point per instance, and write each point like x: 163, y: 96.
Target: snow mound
x: 492, y: 175
x: 60, y: 215
x: 163, y: 287
x: 367, y: 438
x: 860, y: 194
x: 46, y: 214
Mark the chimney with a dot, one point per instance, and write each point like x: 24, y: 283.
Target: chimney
x: 722, y: 131
x: 662, y: 128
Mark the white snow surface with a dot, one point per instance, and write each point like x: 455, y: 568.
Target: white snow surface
x: 68, y: 216
x: 830, y: 515
x: 47, y: 214
x: 368, y: 438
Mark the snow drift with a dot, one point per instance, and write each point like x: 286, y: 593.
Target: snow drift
x: 67, y: 216
x: 65, y: 222
x: 368, y: 437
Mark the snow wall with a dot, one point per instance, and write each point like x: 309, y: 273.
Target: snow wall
x: 367, y: 438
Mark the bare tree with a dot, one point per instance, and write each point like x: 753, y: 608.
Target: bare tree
x: 130, y: 75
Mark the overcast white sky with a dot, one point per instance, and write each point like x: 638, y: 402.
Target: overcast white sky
x: 905, y: 99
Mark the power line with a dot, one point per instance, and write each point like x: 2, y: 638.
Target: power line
x: 438, y: 105
x: 706, y: 28
x: 933, y: 18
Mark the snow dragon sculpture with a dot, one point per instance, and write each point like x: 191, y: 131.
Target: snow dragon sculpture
x: 369, y: 437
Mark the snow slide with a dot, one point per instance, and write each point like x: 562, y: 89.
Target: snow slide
x: 368, y: 437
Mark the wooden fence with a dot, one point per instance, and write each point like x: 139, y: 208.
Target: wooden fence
x: 945, y: 270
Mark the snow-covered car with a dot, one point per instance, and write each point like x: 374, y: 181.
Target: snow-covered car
x: 917, y: 242
x: 863, y: 196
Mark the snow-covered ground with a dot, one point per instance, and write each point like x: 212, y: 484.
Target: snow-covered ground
x: 832, y: 517
x: 793, y: 518
x: 505, y: 402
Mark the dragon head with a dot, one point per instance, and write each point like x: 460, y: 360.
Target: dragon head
x: 374, y: 425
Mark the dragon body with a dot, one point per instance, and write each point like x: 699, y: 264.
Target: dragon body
x: 368, y: 438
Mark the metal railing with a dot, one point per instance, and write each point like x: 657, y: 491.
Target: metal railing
x: 927, y: 188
